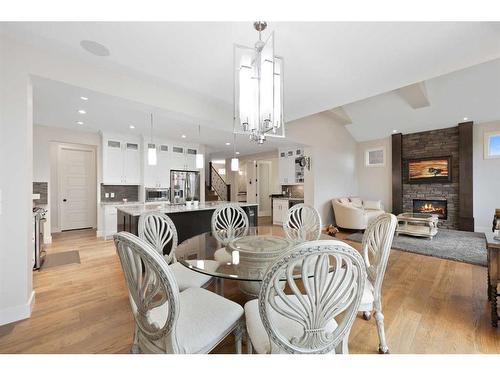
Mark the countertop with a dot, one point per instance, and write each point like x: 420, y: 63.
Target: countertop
x: 139, y: 209
x: 129, y: 203
x: 288, y: 198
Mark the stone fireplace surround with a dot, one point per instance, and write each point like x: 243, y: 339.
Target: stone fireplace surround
x: 455, y: 142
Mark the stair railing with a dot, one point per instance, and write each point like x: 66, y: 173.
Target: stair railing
x: 218, y: 184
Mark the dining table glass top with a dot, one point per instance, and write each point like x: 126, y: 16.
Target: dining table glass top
x: 245, y: 257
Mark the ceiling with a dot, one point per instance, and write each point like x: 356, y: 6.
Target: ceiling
x: 327, y: 64
x: 472, y: 93
x: 57, y: 104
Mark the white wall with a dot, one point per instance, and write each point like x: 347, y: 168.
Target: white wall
x: 16, y: 172
x: 46, y: 141
x: 333, y: 153
x: 375, y: 183
x: 486, y: 179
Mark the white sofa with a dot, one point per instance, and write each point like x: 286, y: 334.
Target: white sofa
x: 354, y: 213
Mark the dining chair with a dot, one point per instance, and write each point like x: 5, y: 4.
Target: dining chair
x: 166, y: 320
x: 229, y: 222
x: 308, y: 319
x: 302, y: 223
x: 159, y: 231
x: 376, y: 247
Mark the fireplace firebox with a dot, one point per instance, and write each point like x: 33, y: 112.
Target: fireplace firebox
x: 431, y: 206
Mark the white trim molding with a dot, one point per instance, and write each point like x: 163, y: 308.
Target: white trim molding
x: 15, y: 313
x: 487, y: 137
x: 375, y: 149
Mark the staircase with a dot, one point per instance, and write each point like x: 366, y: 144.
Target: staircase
x: 217, y: 186
x: 210, y: 195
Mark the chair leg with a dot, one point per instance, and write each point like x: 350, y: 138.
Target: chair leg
x: 239, y: 332
x: 219, y: 287
x: 379, y: 318
x: 135, y: 344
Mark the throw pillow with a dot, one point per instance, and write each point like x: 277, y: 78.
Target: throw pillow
x: 356, y: 202
x: 373, y: 205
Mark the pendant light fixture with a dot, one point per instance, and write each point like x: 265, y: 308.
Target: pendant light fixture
x: 200, y: 159
x: 152, y: 157
x: 258, y: 89
x: 235, y: 162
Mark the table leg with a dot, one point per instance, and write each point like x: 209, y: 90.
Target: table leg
x: 494, y: 311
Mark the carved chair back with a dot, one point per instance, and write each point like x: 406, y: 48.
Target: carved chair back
x: 333, y: 285
x: 151, y: 285
x: 376, y: 244
x: 229, y: 222
x: 302, y: 223
x: 158, y: 230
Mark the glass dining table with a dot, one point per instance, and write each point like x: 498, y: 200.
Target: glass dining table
x: 244, y: 258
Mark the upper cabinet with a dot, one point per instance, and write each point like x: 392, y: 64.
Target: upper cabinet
x: 290, y: 171
x: 121, y: 158
x: 125, y: 160
x: 184, y: 157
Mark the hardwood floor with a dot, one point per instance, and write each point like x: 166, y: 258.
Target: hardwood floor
x: 430, y: 305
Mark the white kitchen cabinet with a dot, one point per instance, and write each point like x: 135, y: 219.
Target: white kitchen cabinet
x: 287, y: 169
x: 184, y: 157
x: 121, y: 160
x: 280, y: 208
x: 110, y: 221
x: 157, y: 176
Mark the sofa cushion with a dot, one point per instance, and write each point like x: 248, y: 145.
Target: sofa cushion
x: 344, y: 200
x: 372, y: 205
x: 356, y: 202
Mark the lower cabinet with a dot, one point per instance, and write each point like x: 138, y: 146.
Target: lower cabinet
x: 110, y: 221
x: 280, y: 208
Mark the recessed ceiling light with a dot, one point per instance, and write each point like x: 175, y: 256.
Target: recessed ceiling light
x: 94, y: 48
x: 79, y: 122
x: 237, y: 152
x: 84, y: 98
x: 394, y: 131
x: 183, y: 136
x: 131, y: 126
x: 228, y: 144
x: 466, y: 118
x: 82, y: 111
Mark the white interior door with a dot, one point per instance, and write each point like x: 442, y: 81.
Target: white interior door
x: 77, y: 190
x: 251, y: 182
x: 264, y: 187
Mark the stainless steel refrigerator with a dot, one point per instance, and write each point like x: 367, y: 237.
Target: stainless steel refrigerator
x: 184, y: 186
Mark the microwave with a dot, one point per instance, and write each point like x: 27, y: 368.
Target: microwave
x: 157, y: 194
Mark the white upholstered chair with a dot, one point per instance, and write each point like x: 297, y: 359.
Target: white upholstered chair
x: 307, y: 320
x: 354, y: 213
x: 377, y: 242
x: 166, y: 321
x: 302, y: 223
x: 159, y: 231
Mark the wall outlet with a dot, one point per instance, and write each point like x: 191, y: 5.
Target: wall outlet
x: 106, y: 195
x: 112, y: 195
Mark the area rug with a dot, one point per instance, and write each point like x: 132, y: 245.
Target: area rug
x: 468, y: 247
x: 60, y: 259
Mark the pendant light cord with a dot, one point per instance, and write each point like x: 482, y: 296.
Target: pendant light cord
x: 151, y: 127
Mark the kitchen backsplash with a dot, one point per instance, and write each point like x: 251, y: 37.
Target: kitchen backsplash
x: 40, y: 188
x: 296, y: 190
x: 129, y: 192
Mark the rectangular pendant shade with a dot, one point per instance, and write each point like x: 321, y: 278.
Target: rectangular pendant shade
x: 152, y: 160
x: 200, y: 161
x: 235, y: 164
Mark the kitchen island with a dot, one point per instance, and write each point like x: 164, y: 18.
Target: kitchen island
x: 189, y: 221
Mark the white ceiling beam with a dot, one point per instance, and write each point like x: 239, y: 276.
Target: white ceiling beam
x: 415, y: 95
x: 339, y: 115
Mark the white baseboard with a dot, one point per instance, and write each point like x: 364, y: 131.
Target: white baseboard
x: 99, y: 233
x: 20, y: 312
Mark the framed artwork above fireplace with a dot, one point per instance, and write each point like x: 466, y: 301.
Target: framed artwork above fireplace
x: 429, y: 170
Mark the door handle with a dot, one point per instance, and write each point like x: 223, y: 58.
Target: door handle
x: 64, y: 200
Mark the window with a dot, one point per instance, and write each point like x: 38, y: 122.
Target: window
x: 375, y: 157
x: 492, y: 145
